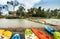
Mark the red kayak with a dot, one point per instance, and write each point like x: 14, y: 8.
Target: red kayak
x: 40, y: 34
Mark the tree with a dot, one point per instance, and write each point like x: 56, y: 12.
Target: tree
x: 20, y: 11
x: 48, y: 13
x: 6, y: 7
x: 42, y: 13
x: 32, y: 12
x: 0, y: 13
x: 13, y: 3
x: 58, y: 15
x: 0, y: 10
x: 55, y: 12
x: 38, y: 12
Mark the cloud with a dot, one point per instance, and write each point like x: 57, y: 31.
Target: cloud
x: 3, y: 1
x: 29, y: 3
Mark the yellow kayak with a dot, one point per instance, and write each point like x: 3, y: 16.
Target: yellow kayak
x: 7, y: 34
x: 56, y: 35
x: 1, y: 31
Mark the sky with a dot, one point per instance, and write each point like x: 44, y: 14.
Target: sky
x: 28, y: 3
x: 52, y: 4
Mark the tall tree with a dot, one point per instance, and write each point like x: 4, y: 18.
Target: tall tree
x: 48, y: 13
x: 13, y: 3
x: 32, y: 11
x: 42, y: 13
x: 20, y: 11
x: 0, y: 9
x: 38, y: 12
x: 6, y: 7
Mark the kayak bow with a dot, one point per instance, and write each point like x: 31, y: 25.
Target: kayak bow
x: 40, y: 34
x: 16, y: 36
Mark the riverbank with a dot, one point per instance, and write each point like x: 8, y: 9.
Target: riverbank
x: 53, y: 22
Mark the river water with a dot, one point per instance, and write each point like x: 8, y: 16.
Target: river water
x: 16, y: 23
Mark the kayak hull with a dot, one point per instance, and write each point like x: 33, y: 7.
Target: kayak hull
x: 16, y: 36
x: 40, y: 34
x: 30, y: 35
x: 56, y: 35
x: 49, y: 30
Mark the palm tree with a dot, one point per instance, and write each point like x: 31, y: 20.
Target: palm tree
x: 32, y: 11
x: 38, y: 12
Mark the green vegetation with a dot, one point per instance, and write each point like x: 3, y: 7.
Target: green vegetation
x: 38, y: 12
x: 32, y: 12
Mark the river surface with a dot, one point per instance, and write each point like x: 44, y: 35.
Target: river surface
x: 16, y: 23
x: 53, y: 21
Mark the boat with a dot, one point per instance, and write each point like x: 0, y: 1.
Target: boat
x: 16, y: 36
x: 56, y: 35
x: 49, y: 29
x: 30, y: 35
x: 1, y: 32
x: 40, y: 34
x: 7, y: 34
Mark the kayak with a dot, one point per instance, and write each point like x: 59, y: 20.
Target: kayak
x: 30, y: 35
x: 1, y: 32
x: 40, y: 34
x: 49, y: 29
x: 56, y: 35
x: 16, y: 36
x: 7, y: 34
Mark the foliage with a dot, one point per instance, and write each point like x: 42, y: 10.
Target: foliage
x: 32, y: 12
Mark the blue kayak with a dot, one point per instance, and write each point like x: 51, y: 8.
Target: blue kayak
x: 49, y: 29
x: 16, y: 36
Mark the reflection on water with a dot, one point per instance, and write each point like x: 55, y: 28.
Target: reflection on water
x: 14, y: 23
